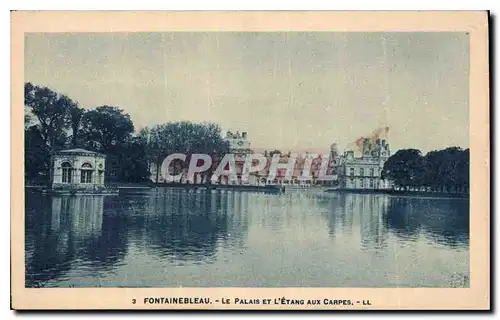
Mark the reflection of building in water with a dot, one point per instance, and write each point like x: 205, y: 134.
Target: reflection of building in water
x: 85, y: 214
x: 372, y: 212
x: 338, y: 213
x: 350, y: 210
x: 69, y: 228
x: 190, y: 224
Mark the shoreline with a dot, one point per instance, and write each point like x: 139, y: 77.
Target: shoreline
x: 126, y: 187
x: 403, y: 193
x: 201, y: 186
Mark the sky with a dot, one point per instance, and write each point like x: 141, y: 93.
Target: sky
x: 288, y: 90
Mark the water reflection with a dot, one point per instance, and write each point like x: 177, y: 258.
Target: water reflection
x: 59, y: 231
x: 442, y: 221
x: 70, y: 238
x: 187, y: 225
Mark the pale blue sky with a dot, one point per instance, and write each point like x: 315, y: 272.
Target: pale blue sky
x: 287, y: 90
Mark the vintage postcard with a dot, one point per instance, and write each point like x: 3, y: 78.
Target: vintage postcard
x: 250, y: 160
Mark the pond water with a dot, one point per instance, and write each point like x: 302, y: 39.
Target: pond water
x: 176, y: 237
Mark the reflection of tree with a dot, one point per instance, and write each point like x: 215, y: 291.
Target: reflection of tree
x: 189, y: 224
x: 59, y: 230
x: 444, y: 221
x: 447, y: 221
x: 402, y: 218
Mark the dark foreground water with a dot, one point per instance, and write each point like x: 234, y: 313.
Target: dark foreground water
x: 177, y: 237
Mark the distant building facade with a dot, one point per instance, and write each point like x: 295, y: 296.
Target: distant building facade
x: 239, y: 146
x: 78, y: 168
x: 238, y: 143
x: 345, y: 171
x: 298, y: 176
x: 365, y: 171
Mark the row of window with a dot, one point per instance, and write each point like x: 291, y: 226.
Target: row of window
x: 85, y: 176
x: 372, y: 173
x: 370, y: 183
x: 86, y: 165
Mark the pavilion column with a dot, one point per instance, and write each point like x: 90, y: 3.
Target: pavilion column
x: 74, y: 175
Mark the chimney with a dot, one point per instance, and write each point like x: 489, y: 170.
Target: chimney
x: 366, y: 145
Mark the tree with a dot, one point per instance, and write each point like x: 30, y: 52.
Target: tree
x: 76, y: 117
x: 51, y: 112
x: 184, y: 137
x: 127, y: 161
x: 404, y: 168
x: 109, y: 130
x: 447, y: 170
x: 46, y: 122
x: 36, y: 156
x: 464, y: 173
x: 105, y: 127
x: 444, y: 170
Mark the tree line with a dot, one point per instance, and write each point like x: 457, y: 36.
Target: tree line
x: 444, y: 170
x: 54, y: 122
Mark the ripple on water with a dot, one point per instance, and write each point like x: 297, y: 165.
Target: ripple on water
x: 238, y: 238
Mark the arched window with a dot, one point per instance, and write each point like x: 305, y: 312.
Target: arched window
x: 66, y: 172
x: 86, y: 173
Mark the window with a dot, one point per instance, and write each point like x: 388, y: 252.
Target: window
x: 362, y: 183
x: 375, y: 172
x: 351, y: 171
x: 66, y: 172
x: 86, y: 173
x: 352, y: 182
x: 86, y: 176
x: 371, y: 182
x: 361, y: 171
x: 372, y: 172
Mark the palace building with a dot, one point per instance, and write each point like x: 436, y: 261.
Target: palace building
x: 365, y: 171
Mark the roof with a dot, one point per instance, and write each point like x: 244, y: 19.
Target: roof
x: 79, y: 151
